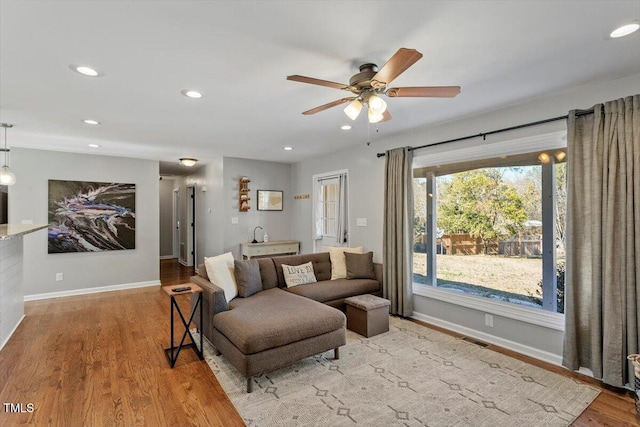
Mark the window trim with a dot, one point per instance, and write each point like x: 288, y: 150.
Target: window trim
x: 534, y: 316
x: 464, y: 152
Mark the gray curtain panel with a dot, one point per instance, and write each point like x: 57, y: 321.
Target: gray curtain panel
x: 398, y: 231
x: 603, y: 240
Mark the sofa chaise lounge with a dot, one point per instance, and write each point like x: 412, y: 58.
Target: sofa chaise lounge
x: 279, y: 325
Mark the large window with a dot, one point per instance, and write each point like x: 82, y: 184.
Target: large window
x: 494, y: 228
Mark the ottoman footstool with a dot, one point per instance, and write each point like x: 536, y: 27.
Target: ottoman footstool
x: 367, y: 315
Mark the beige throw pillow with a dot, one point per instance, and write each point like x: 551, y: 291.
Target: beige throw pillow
x: 338, y: 261
x: 295, y: 275
x: 220, y: 272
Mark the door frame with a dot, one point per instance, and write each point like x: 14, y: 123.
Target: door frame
x: 314, y: 180
x: 191, y: 226
x: 175, y: 235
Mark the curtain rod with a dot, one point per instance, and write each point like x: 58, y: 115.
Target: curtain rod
x: 485, y: 134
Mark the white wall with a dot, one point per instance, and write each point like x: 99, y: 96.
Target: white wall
x: 83, y: 271
x: 366, y: 173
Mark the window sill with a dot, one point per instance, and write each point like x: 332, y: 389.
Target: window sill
x: 533, y: 316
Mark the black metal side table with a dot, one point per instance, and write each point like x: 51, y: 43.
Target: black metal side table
x: 173, y: 351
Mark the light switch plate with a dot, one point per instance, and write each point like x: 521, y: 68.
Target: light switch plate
x: 361, y: 222
x: 234, y: 220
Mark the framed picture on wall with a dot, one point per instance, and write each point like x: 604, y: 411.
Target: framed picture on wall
x: 269, y: 200
x: 91, y: 216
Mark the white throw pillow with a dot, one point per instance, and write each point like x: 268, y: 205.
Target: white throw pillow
x: 295, y: 275
x: 220, y: 272
x: 339, y: 262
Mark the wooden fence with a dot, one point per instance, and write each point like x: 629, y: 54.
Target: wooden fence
x: 464, y: 244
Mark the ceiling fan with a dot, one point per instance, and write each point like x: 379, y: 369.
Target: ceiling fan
x: 370, y: 82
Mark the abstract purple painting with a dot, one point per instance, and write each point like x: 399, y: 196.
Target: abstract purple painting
x: 91, y: 216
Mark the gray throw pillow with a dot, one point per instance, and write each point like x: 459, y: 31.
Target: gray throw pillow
x: 360, y: 266
x: 247, y: 277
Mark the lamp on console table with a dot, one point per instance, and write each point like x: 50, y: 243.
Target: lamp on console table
x: 254, y: 234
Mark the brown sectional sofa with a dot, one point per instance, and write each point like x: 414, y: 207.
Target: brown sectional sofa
x: 278, y: 325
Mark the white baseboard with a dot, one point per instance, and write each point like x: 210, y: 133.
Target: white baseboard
x: 167, y: 257
x: 86, y: 291
x: 545, y: 356
x: 6, y: 340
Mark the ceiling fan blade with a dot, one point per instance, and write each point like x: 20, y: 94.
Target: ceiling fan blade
x: 399, y: 62
x: 329, y: 105
x: 386, y: 116
x: 424, y: 91
x: 311, y: 80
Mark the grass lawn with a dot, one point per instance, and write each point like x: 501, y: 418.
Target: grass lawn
x: 507, y: 278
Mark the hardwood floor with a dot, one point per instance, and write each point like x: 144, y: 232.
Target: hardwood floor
x: 174, y: 273
x: 97, y: 360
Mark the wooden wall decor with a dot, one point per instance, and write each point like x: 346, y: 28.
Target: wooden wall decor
x: 243, y: 194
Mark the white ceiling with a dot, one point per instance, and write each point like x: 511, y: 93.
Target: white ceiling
x: 238, y: 53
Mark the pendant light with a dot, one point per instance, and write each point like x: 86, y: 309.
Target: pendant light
x: 6, y: 176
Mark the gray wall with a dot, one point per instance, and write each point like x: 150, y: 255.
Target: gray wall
x: 216, y: 186
x: 209, y: 209
x: 29, y: 199
x: 366, y: 174
x: 166, y: 218
x: 263, y: 176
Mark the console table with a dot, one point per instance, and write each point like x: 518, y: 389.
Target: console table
x: 281, y: 247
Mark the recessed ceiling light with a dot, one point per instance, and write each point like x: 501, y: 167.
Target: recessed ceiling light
x: 85, y: 70
x: 288, y: 148
x: 624, y: 30
x: 94, y: 146
x: 189, y: 93
x: 345, y: 127
x: 90, y: 122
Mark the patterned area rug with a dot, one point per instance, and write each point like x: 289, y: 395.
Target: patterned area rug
x: 409, y: 376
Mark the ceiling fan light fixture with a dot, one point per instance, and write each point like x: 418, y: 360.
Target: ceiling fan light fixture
x: 377, y: 104
x: 188, y: 161
x: 353, y: 109
x: 375, y: 117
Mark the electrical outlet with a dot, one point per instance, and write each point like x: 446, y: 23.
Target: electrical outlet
x: 361, y: 222
x: 59, y: 277
x: 488, y: 320
x: 234, y: 220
